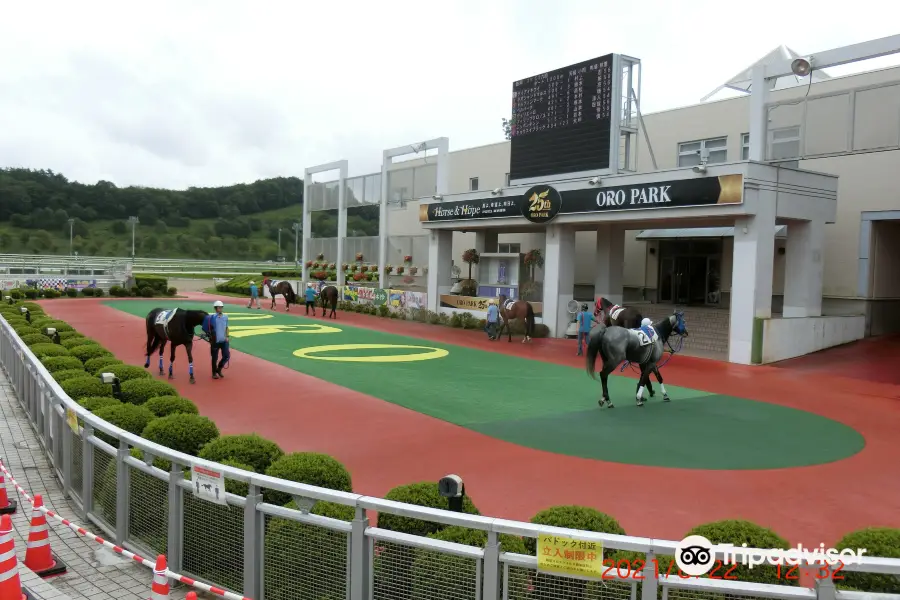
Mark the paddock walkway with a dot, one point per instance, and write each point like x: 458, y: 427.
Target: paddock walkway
x: 94, y: 573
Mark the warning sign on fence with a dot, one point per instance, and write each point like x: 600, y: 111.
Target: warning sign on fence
x: 208, y: 484
x: 72, y: 420
x: 568, y: 556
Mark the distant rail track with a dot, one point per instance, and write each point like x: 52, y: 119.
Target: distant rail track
x: 33, y: 264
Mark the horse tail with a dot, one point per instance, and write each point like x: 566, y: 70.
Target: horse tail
x: 593, y: 348
x: 529, y: 320
x: 293, y: 295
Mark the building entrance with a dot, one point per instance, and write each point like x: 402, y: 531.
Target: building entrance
x: 690, y: 272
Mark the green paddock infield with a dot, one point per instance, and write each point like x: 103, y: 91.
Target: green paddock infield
x: 543, y: 406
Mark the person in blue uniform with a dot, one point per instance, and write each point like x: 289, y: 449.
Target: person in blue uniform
x: 218, y: 339
x: 585, y: 321
x: 254, y: 295
x: 493, y: 316
x: 310, y: 294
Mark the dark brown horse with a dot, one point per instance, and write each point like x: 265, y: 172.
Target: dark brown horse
x: 516, y: 309
x: 329, y: 296
x: 176, y: 326
x: 285, y: 289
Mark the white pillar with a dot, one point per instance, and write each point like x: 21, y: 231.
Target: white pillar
x: 803, y: 269
x: 342, y: 223
x: 751, y: 279
x: 440, y: 257
x: 759, y: 113
x: 307, y: 230
x: 559, y: 286
x: 383, y: 224
x: 610, y: 261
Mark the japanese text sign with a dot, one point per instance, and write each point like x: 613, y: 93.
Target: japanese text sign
x: 568, y: 556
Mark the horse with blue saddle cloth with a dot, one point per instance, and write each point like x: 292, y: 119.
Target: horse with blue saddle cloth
x: 177, y: 326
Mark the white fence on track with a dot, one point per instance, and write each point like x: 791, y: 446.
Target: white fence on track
x: 31, y: 264
x: 265, y: 551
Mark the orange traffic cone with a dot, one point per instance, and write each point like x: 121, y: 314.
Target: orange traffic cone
x: 191, y: 596
x: 10, y: 585
x: 159, y: 589
x: 38, y: 556
x: 7, y: 506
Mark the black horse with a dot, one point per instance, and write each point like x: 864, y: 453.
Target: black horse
x: 176, y: 326
x: 616, y: 344
x: 285, y: 289
x: 329, y: 296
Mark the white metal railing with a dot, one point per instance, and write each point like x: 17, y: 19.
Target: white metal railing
x: 27, y: 264
x: 277, y: 553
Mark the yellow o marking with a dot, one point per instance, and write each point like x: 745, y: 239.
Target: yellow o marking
x: 388, y: 358
x: 240, y: 331
x: 240, y: 317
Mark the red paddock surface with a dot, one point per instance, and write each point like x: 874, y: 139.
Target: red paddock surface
x: 385, y: 445
x: 871, y: 359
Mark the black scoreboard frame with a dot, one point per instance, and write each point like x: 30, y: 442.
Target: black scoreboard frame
x: 545, y: 155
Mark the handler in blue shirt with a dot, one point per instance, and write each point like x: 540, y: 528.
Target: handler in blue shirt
x: 585, y: 322
x: 218, y: 339
x: 254, y: 295
x: 310, y: 294
x: 493, y: 317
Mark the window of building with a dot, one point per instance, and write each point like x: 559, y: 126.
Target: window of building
x: 784, y: 143
x: 745, y: 146
x: 689, y: 152
x: 507, y: 180
x: 473, y: 184
x: 509, y: 248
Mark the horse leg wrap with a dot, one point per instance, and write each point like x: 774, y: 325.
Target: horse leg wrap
x: 665, y: 394
x: 171, y: 368
x: 160, y: 363
x: 640, y: 393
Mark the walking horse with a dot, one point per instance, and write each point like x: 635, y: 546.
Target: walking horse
x: 516, y: 309
x: 285, y: 289
x: 176, y: 326
x: 329, y: 297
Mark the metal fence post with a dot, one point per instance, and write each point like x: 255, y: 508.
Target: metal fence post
x: 490, y: 589
x: 253, y: 537
x: 825, y: 585
x: 359, y: 557
x: 176, y: 518
x: 67, y: 456
x: 87, y: 471
x: 650, y: 584
x: 122, y: 495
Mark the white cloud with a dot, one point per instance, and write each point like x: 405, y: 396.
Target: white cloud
x: 208, y: 93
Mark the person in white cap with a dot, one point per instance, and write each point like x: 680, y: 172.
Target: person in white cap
x: 254, y: 295
x: 310, y: 298
x: 218, y: 339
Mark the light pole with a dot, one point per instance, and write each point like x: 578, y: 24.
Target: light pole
x: 279, y: 242
x: 297, y: 228
x: 134, y: 221
x: 71, y: 229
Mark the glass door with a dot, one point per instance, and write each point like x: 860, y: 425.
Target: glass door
x: 713, y: 280
x: 666, y: 279
x: 682, y: 280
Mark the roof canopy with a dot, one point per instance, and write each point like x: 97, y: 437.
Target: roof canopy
x: 744, y: 79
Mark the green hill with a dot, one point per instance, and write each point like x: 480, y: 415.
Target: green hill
x: 238, y: 222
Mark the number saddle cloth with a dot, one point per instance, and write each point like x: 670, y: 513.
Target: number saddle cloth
x: 614, y: 311
x: 509, y: 305
x: 646, y: 335
x: 164, y: 318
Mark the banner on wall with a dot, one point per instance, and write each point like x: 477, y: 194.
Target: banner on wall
x: 60, y: 284
x: 11, y: 284
x: 479, y: 303
x: 394, y: 299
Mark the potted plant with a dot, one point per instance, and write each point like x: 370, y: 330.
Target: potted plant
x: 320, y: 256
x: 363, y: 268
x: 354, y: 268
x: 388, y: 269
x: 413, y: 270
x: 469, y: 287
x: 345, y: 267
x: 407, y: 259
x: 400, y: 270
x: 309, y: 263
x: 359, y: 256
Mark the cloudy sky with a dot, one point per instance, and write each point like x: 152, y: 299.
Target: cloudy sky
x: 191, y: 93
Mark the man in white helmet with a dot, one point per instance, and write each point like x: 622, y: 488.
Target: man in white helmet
x: 218, y: 339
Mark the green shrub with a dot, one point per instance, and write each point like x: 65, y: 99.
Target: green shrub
x: 116, y: 291
x: 180, y: 432
x: 131, y: 418
x: 138, y: 391
x: 318, y: 580
x: 94, y: 403
x: 232, y: 486
x: 77, y: 341
x: 310, y: 468
x: 147, y: 292
x: 65, y: 374
x: 71, y: 292
x: 421, y: 494
x: 125, y: 372
x: 50, y: 293
x: 49, y: 349
x: 250, y: 449
x: 16, y: 294
x: 157, y: 283
x: 31, y: 293
x: 448, y: 576
x: 172, y: 291
x: 86, y: 353
x: 87, y: 292
x: 34, y: 338
x: 65, y: 335
x: 60, y: 326
x: 163, y: 406
x: 26, y: 330
x: 82, y: 387
x: 94, y: 364
x: 878, y: 541
x: 62, y: 363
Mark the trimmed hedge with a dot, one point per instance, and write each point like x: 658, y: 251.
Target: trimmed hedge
x: 250, y: 449
x: 310, y: 468
x: 65, y: 335
x: 93, y: 365
x: 184, y: 433
x: 878, y: 541
x: 71, y: 342
x: 124, y: 372
x: 138, y: 391
x: 424, y: 493
x: 163, y: 406
x: 82, y: 387
x: 574, y: 517
x: 94, y: 403
x: 62, y: 363
x: 31, y: 339
x: 49, y: 349
x: 86, y: 353
x: 65, y: 374
x: 133, y: 419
